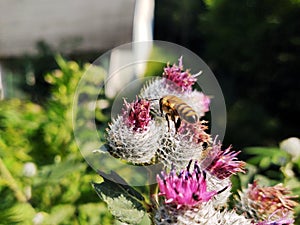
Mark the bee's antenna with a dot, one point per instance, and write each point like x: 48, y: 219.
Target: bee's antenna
x: 152, y: 99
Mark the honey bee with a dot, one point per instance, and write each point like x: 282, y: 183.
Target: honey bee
x: 176, y: 109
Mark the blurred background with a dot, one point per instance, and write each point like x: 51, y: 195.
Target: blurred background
x: 252, y: 47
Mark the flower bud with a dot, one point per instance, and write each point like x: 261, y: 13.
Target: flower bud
x: 291, y: 146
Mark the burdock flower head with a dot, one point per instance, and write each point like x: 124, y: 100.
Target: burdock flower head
x: 133, y: 136
x: 174, y: 81
x: 222, y: 163
x: 188, y: 200
x: 199, y: 101
x: 182, y: 78
x: 186, y: 188
x: 261, y: 203
x: 195, y: 132
x: 207, y: 214
x: 281, y: 221
x: 137, y: 114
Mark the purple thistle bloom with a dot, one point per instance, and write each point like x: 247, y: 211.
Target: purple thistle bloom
x: 223, y: 163
x: 281, y: 221
x: 184, y: 79
x: 137, y: 114
x: 284, y: 220
x: 271, y: 201
x: 199, y: 102
x: 196, y: 131
x: 185, y: 189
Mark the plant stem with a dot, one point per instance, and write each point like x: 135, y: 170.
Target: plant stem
x: 11, y: 182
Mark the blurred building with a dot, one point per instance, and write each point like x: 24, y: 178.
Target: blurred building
x: 72, y: 26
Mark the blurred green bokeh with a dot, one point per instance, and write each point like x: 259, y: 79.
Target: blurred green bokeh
x: 44, y: 179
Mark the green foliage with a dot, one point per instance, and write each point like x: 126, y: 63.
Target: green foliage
x: 87, y: 212
x: 19, y: 213
x: 123, y: 201
x: 43, y: 177
x: 273, y: 165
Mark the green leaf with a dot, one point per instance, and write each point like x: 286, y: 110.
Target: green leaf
x: 265, y: 156
x: 124, y: 202
x: 265, y: 163
x: 264, y: 151
x: 62, y: 62
x: 255, y: 160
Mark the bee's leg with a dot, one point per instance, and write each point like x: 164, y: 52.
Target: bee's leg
x: 161, y: 107
x: 177, y: 124
x: 167, y: 118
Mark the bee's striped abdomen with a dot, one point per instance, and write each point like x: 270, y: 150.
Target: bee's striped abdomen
x: 186, y: 112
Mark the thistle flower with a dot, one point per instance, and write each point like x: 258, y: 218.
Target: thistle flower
x: 198, y: 101
x: 137, y: 114
x: 229, y: 218
x: 201, y: 215
x: 133, y: 136
x: 195, y: 132
x: 183, y: 79
x: 222, y: 163
x: 176, y: 82
x: 214, y: 183
x: 186, y: 188
x: 157, y: 88
x: 262, y: 202
x: 281, y: 221
x: 169, y: 214
x: 177, y: 149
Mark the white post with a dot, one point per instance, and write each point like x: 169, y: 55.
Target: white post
x: 142, y: 31
x: 1, y: 85
x: 143, y: 20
